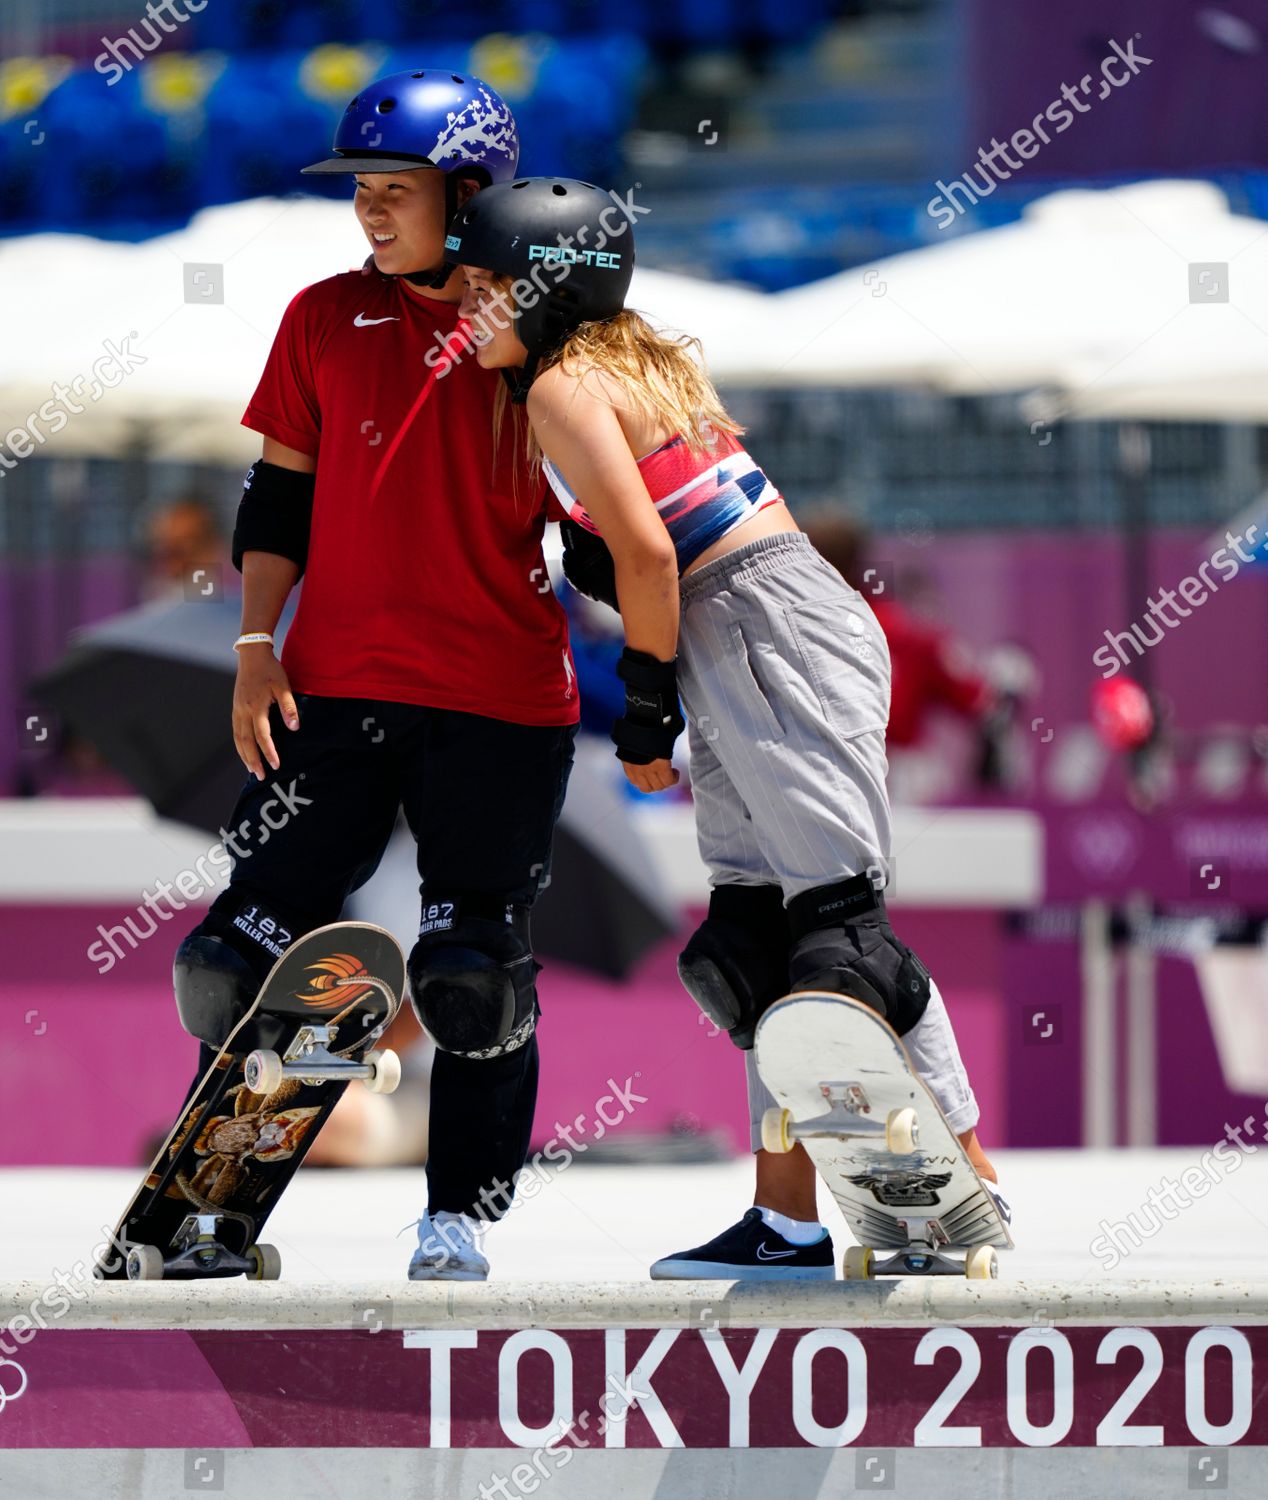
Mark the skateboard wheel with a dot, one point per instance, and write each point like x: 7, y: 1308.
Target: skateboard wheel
x: 902, y: 1131
x: 263, y: 1072
x: 981, y: 1263
x: 775, y: 1135
x: 858, y: 1264
x: 145, y: 1263
x: 386, y: 1074
x: 266, y: 1262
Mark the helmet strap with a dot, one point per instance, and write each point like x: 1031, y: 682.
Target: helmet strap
x: 440, y: 275
x: 519, y: 380
x: 559, y: 323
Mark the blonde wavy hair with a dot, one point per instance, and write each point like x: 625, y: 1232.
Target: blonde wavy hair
x: 663, y: 375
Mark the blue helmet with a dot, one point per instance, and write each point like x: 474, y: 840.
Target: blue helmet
x: 431, y: 118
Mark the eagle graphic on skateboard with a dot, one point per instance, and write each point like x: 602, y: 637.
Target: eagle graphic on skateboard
x: 847, y: 1090
x: 246, y: 1128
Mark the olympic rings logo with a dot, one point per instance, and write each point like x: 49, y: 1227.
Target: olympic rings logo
x: 7, y: 1396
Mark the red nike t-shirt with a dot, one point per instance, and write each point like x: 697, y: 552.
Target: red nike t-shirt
x: 425, y: 580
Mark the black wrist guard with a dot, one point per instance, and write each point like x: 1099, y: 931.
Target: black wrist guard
x: 652, y: 720
x: 588, y: 563
x: 275, y: 514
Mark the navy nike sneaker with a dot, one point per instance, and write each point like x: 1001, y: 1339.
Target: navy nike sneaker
x: 750, y: 1251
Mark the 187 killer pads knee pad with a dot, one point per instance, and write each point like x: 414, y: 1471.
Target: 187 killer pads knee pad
x: 473, y: 977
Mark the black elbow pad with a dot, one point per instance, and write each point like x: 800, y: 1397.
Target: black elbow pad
x: 588, y: 563
x: 275, y: 514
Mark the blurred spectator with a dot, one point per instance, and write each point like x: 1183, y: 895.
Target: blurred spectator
x: 931, y: 670
x: 186, y: 546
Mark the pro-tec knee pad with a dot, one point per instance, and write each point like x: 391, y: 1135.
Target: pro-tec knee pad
x: 735, y: 964
x: 843, y: 943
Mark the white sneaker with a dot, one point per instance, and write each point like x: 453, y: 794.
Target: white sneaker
x: 449, y: 1249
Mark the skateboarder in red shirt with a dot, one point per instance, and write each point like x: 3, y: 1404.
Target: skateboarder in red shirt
x: 426, y: 667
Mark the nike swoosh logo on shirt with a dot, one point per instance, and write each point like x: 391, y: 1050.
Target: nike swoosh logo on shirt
x: 764, y: 1254
x: 361, y: 321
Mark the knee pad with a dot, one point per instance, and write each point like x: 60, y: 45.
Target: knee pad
x: 215, y: 986
x: 735, y: 964
x: 473, y: 978
x: 842, y: 942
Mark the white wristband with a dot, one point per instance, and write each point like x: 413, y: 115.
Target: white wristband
x: 255, y: 638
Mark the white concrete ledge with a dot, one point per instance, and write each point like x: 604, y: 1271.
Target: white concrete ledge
x: 111, y: 849
x: 512, y: 1305
x: 962, y: 858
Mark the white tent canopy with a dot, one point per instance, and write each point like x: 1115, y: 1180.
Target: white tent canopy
x: 1086, y: 299
x: 66, y: 296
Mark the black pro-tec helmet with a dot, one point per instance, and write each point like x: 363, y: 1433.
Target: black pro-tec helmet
x: 570, y: 247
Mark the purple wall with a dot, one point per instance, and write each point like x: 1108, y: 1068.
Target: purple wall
x: 1043, y: 1077
x: 100, y: 1067
x: 98, y: 1070
x: 1058, y: 592
x: 1199, y: 104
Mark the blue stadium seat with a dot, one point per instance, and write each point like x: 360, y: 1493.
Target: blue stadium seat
x: 230, y: 125
x: 21, y: 166
x: 436, y: 24
x: 118, y: 183
x: 220, y: 27
x: 316, y: 24
x: 265, y: 129
x: 781, y: 21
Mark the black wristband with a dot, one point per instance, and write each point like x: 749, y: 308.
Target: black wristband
x: 275, y: 514
x: 652, y: 720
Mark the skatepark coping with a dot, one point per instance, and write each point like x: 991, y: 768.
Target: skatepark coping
x: 913, y: 1301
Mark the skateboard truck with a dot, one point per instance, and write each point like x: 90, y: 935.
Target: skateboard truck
x: 199, y: 1253
x: 848, y: 1104
x: 925, y: 1237
x: 922, y: 1256
x: 310, y: 1059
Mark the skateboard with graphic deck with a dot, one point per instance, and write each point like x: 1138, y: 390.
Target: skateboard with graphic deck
x: 847, y: 1090
x: 246, y: 1128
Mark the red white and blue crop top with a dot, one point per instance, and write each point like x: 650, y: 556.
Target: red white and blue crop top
x: 699, y: 496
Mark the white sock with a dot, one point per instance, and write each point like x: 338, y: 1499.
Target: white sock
x: 795, y: 1231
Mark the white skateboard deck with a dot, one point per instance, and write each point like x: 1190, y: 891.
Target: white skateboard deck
x: 847, y: 1089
